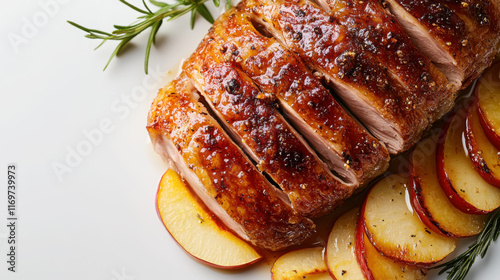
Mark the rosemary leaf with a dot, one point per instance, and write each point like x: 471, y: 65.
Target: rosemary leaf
x: 133, y: 7
x: 158, y: 3
x: 203, y: 11
x: 149, y: 19
x: 193, y: 18
x: 458, y: 267
x: 151, y: 41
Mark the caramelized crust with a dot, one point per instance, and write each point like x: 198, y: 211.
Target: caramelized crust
x: 252, y: 119
x: 466, y: 29
x: 258, y: 58
x: 482, y: 19
x: 383, y: 105
x: 345, y: 145
x: 220, y: 173
x: 378, y: 32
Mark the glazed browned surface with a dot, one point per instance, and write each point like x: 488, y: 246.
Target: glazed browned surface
x: 279, y: 72
x: 265, y: 58
x: 378, y: 32
x: 327, y: 46
x: 313, y: 190
x: 467, y: 29
x: 227, y: 175
x: 479, y: 13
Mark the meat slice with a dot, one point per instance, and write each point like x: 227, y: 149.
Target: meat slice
x: 252, y: 119
x: 340, y: 140
x: 461, y: 41
x: 379, y: 33
x: 219, y: 172
x: 379, y: 101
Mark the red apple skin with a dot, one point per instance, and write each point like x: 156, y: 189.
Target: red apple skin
x: 416, y: 200
x: 360, y: 247
x: 194, y: 257
x: 489, y: 130
x: 474, y: 151
x: 414, y: 190
x: 444, y: 180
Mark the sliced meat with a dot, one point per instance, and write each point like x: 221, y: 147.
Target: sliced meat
x: 379, y: 33
x: 252, y: 119
x: 478, y: 15
x: 340, y: 140
x: 461, y: 49
x: 219, y: 172
x: 377, y: 99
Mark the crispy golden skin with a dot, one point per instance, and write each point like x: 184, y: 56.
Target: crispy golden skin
x: 375, y: 96
x: 252, y: 118
x: 467, y: 29
x: 357, y: 156
x: 378, y: 32
x: 224, y: 177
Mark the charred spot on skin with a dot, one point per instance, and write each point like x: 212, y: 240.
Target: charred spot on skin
x: 232, y: 86
x: 318, y: 31
x: 297, y: 36
x: 300, y: 13
x: 346, y: 62
x: 347, y: 158
x: 223, y: 49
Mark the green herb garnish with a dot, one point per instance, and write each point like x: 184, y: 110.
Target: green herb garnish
x: 458, y: 268
x: 125, y: 34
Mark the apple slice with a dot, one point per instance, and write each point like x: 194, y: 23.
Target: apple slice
x: 340, y: 252
x: 194, y: 229
x: 305, y: 263
x: 316, y: 276
x: 429, y: 200
x: 485, y: 157
x: 396, y: 231
x: 376, y: 266
x: 488, y: 101
x: 463, y: 186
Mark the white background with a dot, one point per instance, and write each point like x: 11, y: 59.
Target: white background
x: 96, y: 219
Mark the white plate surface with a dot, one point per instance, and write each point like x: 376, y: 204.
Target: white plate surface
x: 87, y: 174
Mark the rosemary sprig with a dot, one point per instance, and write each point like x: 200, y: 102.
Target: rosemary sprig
x: 458, y: 268
x: 148, y: 19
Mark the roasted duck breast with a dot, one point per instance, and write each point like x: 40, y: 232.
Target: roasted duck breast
x: 343, y: 143
x: 288, y: 107
x: 219, y: 173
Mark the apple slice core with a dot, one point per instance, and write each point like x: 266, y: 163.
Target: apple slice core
x: 308, y: 263
x: 463, y: 185
x: 378, y: 267
x: 484, y: 155
x: 194, y: 229
x: 340, y: 249
x: 396, y: 230
x: 430, y: 201
x: 488, y: 100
